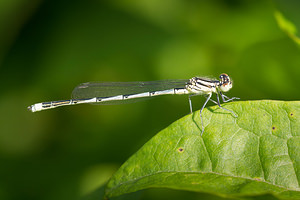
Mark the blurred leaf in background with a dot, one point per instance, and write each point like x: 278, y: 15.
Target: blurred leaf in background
x: 49, y: 47
x: 287, y: 17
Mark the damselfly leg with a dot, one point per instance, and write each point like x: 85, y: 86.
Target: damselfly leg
x: 218, y: 103
x: 207, y: 99
x: 227, y: 98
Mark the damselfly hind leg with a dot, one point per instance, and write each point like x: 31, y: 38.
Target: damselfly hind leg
x: 190, y: 102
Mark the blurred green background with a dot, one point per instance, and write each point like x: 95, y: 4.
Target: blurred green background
x: 49, y: 47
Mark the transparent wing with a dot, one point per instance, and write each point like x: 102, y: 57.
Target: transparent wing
x: 109, y: 89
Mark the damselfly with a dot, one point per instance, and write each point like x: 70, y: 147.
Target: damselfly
x: 119, y: 92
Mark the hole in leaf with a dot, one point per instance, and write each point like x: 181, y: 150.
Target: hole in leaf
x: 273, y: 128
x: 180, y: 149
x: 291, y: 114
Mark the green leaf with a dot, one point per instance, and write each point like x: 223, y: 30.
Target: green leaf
x: 288, y: 27
x: 287, y: 16
x: 254, y: 154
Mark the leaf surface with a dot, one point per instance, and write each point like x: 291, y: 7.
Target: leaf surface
x: 256, y: 153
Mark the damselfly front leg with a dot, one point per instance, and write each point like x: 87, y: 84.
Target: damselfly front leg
x: 227, y: 98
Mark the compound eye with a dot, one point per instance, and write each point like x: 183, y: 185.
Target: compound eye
x: 224, y: 78
x: 225, y: 83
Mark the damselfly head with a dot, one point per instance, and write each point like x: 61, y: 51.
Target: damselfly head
x: 225, y: 83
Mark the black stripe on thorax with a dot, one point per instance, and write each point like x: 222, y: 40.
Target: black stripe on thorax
x: 206, y: 80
